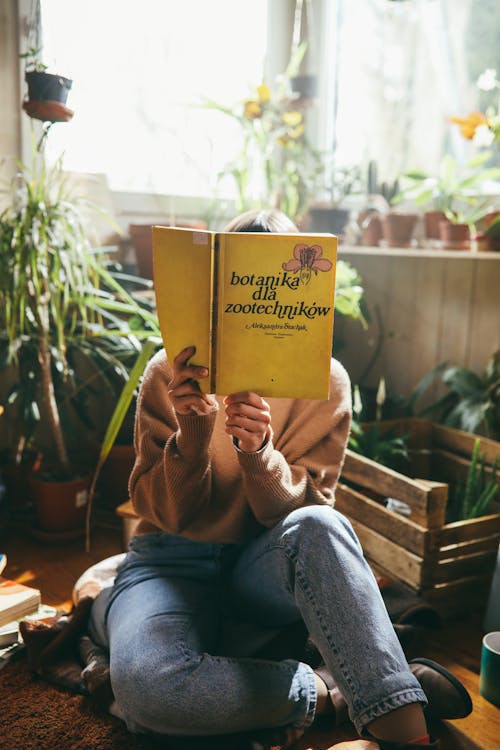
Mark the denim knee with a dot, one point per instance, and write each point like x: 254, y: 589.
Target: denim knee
x: 314, y: 523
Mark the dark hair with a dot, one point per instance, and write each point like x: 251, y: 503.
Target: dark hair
x: 261, y: 220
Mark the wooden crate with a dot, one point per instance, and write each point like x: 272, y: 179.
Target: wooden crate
x: 449, y: 564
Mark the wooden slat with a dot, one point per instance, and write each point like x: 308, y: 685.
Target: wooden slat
x: 464, y: 531
x: 466, y: 548
x: 459, y: 596
x: 425, y: 328
x: 458, y: 587
x: 463, y: 442
x: 481, y: 563
x: 484, y: 315
x: 403, y: 307
x: 455, y: 311
x: 386, y: 522
x: 393, y: 559
x: 449, y: 467
x: 427, y: 509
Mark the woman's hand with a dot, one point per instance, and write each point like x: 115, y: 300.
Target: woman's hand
x: 184, y: 392
x: 248, y: 419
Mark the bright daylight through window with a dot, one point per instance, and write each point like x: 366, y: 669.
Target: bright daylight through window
x: 140, y: 73
x: 391, y: 77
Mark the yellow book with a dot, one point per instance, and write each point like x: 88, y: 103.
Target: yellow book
x: 258, y: 307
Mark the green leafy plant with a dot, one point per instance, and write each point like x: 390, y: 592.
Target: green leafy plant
x: 472, y: 402
x: 386, y: 447
x: 451, y: 184
x: 32, y: 60
x: 277, y: 166
x: 69, y: 331
x: 472, y: 498
x: 349, y: 292
x: 470, y: 216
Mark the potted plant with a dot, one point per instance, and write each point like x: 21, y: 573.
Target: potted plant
x: 276, y: 165
x: 69, y: 334
x: 458, y: 226
x: 379, y: 195
x: 332, y: 214
x: 47, y: 92
x: 451, y: 188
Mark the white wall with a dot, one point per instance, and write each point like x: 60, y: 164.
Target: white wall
x: 10, y: 104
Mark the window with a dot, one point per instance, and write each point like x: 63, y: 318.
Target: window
x: 140, y: 72
x: 397, y: 71
x: 391, y: 74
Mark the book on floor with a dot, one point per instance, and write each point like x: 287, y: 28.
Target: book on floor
x: 258, y: 307
x: 17, y: 600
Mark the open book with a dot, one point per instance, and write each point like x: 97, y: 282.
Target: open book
x: 16, y: 600
x: 257, y: 306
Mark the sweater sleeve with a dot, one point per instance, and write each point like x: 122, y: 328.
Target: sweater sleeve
x: 171, y: 480
x: 301, y: 466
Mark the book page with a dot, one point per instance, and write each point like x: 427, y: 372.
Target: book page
x: 275, y: 314
x: 182, y: 260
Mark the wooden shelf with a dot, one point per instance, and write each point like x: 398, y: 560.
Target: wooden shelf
x: 416, y: 252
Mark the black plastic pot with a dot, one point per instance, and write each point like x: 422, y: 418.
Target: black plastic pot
x: 304, y: 86
x: 47, y: 87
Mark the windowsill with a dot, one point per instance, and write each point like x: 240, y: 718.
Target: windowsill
x: 416, y: 252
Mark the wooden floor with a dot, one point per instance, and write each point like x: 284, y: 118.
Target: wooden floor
x: 54, y: 569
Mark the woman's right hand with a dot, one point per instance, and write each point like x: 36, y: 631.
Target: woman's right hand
x: 184, y: 391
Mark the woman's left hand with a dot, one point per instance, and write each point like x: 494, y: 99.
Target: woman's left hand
x: 248, y: 419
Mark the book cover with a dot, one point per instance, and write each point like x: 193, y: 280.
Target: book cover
x: 257, y: 306
x: 16, y: 600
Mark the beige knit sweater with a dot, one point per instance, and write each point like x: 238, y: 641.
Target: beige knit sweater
x: 189, y: 479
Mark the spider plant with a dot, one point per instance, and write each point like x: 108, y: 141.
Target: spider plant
x: 472, y: 498
x: 69, y: 331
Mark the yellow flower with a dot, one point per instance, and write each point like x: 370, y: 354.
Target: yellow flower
x: 292, y: 118
x: 468, y: 125
x: 264, y: 93
x: 295, y: 133
x: 252, y: 109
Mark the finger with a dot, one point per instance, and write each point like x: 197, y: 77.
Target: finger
x: 190, y: 373
x: 250, y: 412
x: 247, y: 441
x: 184, y: 355
x: 247, y: 397
x: 190, y: 388
x: 193, y: 403
x: 250, y: 425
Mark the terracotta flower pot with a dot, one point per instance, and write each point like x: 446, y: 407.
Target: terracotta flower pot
x: 60, y: 506
x: 454, y: 236
x: 431, y: 224
x: 398, y: 228
x: 370, y: 223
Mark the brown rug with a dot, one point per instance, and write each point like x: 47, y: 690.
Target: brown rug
x: 35, y: 715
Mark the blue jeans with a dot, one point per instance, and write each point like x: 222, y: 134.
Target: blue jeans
x: 163, y: 622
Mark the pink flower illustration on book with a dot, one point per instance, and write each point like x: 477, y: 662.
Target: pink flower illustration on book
x: 306, y: 259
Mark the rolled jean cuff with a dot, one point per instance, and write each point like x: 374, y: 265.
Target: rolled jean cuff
x: 391, y: 703
x: 304, y: 687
